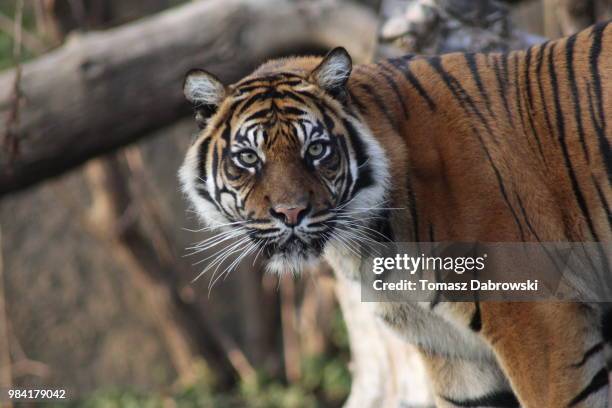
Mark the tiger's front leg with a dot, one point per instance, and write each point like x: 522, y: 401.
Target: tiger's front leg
x: 552, y: 353
x: 465, y: 382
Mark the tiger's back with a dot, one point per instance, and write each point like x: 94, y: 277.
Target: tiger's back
x: 495, y: 139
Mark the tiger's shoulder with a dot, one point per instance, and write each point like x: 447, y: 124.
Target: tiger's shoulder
x: 529, y: 128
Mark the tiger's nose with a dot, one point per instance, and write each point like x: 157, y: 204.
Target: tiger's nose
x: 290, y: 215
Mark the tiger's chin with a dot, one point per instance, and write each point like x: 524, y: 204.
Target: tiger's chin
x: 294, y: 255
x: 292, y: 262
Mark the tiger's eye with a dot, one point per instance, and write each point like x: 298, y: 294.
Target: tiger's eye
x: 315, y: 149
x: 248, y: 158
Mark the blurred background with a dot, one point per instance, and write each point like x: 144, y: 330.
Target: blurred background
x: 96, y: 292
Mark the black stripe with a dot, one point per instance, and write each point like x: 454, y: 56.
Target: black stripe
x: 403, y: 60
x: 329, y: 122
x: 248, y: 193
x: 364, y: 173
x: 202, y: 156
x: 269, y: 78
x: 228, y: 171
x: 413, y: 208
x: 262, y: 113
x: 291, y: 110
x: 505, y: 71
x: 594, y: 53
x: 203, y: 192
x: 499, y: 399
x: 552, y: 258
x: 463, y: 98
x: 342, y: 142
x: 290, y: 83
x: 569, y: 57
x: 320, y: 103
x: 459, y: 92
x: 606, y: 325
x: 525, y: 217
x: 383, y: 227
x: 476, y: 321
x: 472, y: 64
x: 502, y: 189
x: 380, y: 103
x: 246, y: 89
x: 434, y: 302
x: 217, y: 193
x: 202, y: 159
x: 539, y: 65
x: 602, y: 198
x: 402, y: 66
x: 398, y: 94
x: 530, y: 114
x: 561, y: 137
x: 599, y: 381
x: 246, y: 104
x: 604, y: 202
x: 517, y: 91
x: 589, y: 353
x: 214, y: 168
x: 501, y: 87
x: 360, y: 106
x: 294, y: 95
x: 266, y: 83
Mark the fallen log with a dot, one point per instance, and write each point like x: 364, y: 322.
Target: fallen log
x: 103, y: 90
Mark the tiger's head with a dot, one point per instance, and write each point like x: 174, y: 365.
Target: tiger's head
x: 283, y: 159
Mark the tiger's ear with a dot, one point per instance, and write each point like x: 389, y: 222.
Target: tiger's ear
x: 333, y: 73
x: 205, y: 92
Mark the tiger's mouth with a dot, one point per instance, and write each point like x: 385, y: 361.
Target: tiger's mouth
x: 294, y: 258
x: 293, y: 250
x: 296, y: 246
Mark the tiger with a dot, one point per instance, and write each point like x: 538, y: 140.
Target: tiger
x: 304, y: 154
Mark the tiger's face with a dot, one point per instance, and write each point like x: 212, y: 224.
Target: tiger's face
x: 281, y: 160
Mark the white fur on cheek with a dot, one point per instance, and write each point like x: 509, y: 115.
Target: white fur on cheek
x: 189, y: 176
x: 280, y: 264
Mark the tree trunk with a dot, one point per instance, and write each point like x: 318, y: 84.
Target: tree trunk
x: 386, y: 371
x: 103, y: 90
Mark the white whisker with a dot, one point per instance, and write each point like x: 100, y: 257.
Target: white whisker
x: 214, y: 280
x: 220, y: 257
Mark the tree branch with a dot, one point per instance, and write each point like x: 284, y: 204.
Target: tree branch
x: 103, y: 90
